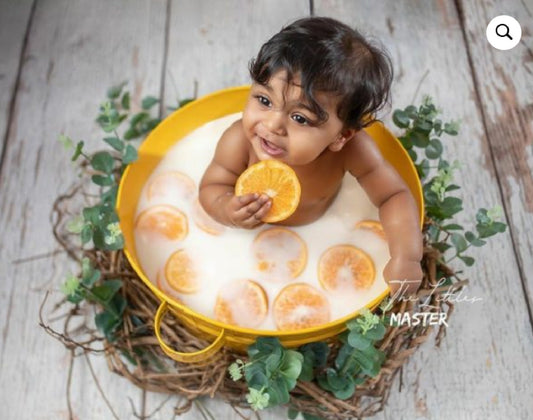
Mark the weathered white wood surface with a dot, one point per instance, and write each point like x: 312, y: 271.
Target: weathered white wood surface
x: 490, y: 340
x: 14, y: 18
x: 505, y: 91
x: 77, y: 49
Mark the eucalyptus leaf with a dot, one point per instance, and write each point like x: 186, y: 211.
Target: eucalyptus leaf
x: 103, y: 161
x: 469, y: 261
x: 400, y: 118
x: 130, y: 155
x: 376, y: 333
x: 131, y: 133
x: 106, y: 291
x: 358, y: 341
x: 149, y: 102
x: 434, y: 149
x: 103, y: 181
x: 459, y: 242
x: 126, y: 101
x: 114, y: 91
x: 86, y: 233
x: 78, y: 151
x: 107, y: 323
x: 115, y: 143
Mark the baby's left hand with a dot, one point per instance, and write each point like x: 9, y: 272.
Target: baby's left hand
x: 399, y: 269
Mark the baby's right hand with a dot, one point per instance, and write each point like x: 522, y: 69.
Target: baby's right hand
x: 246, y: 211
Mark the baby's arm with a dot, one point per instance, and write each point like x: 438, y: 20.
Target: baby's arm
x: 398, y: 212
x: 218, y: 184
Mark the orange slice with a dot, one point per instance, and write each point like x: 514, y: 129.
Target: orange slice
x: 280, y: 252
x: 165, y: 288
x: 278, y: 181
x: 175, y: 184
x: 243, y: 302
x: 164, y: 220
x: 180, y: 273
x: 372, y: 226
x: 204, y: 221
x: 300, y: 306
x: 345, y: 265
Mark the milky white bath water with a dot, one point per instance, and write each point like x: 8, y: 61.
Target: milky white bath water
x: 221, y: 259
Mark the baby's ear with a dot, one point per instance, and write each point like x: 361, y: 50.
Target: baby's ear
x: 344, y: 137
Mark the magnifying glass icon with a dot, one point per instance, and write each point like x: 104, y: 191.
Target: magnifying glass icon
x: 505, y: 32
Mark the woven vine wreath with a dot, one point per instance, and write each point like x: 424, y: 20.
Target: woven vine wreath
x: 349, y: 376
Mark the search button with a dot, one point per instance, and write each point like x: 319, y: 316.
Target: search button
x: 504, y: 32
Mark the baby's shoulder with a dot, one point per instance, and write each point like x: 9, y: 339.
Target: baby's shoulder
x: 361, y: 153
x: 232, y: 146
x: 234, y: 133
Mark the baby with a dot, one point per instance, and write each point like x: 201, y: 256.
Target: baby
x: 315, y: 85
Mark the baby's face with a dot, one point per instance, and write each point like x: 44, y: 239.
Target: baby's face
x: 280, y: 124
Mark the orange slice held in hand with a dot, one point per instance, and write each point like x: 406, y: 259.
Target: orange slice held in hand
x: 345, y: 266
x: 172, y: 183
x: 167, y: 221
x: 204, y: 221
x: 280, y: 252
x: 243, y: 303
x: 278, y: 181
x: 300, y: 306
x: 372, y: 226
x: 180, y: 273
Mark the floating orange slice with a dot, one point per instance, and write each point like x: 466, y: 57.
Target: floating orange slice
x: 243, y: 302
x: 280, y: 252
x: 300, y: 306
x: 180, y: 273
x: 204, y: 221
x: 278, y: 181
x: 164, y: 220
x: 174, y: 183
x: 372, y: 226
x: 345, y: 265
x: 165, y: 288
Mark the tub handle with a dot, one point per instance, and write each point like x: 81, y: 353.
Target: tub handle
x: 195, y: 357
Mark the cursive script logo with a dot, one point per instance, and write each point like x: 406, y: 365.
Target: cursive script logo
x: 449, y: 295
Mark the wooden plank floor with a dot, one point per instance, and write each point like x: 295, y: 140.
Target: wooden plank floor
x: 60, y: 56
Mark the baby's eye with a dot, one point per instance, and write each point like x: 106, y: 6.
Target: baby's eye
x: 300, y: 119
x: 263, y: 100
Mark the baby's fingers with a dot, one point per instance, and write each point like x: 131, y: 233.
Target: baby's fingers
x: 256, y: 217
x: 242, y: 201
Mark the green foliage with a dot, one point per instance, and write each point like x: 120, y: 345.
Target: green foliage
x: 92, y: 287
x: 272, y: 370
x: 99, y: 223
x: 358, y: 358
x: 315, y: 356
x: 270, y: 373
x: 422, y: 137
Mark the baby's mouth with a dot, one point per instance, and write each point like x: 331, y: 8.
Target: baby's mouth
x: 270, y: 148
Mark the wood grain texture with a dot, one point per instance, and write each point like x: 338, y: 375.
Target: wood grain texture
x: 14, y: 19
x: 75, y: 51
x: 488, y: 340
x: 212, y: 42
x: 505, y: 94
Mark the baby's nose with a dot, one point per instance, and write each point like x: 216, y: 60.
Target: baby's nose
x: 275, y: 122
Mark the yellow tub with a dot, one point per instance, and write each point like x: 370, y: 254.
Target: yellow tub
x: 174, y: 128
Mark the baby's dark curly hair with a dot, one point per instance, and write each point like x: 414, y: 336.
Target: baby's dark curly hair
x: 331, y: 57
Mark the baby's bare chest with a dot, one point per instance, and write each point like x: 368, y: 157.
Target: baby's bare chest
x: 319, y: 189
x: 319, y: 186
